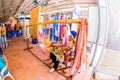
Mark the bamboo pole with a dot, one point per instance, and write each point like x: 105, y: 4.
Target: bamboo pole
x: 58, y: 21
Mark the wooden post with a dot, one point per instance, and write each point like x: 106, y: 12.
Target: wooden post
x: 27, y: 40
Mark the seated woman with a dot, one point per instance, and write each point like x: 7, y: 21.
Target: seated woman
x: 60, y: 53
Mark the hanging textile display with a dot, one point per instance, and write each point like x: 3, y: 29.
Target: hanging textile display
x: 40, y: 27
x: 69, y: 16
x: 52, y: 29
x: 26, y: 22
x: 76, y: 15
x: 81, y: 47
x: 34, y: 20
x: 55, y: 27
x: 61, y: 25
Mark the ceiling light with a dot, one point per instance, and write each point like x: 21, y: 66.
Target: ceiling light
x: 56, y: 1
x: 10, y: 8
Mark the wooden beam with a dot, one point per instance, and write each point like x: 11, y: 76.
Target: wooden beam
x: 18, y: 7
x: 10, y: 9
x: 62, y: 21
x: 58, y: 21
x: 3, y: 6
x: 12, y: 6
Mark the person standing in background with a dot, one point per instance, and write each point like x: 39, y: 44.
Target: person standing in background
x: 3, y: 36
x: 0, y: 35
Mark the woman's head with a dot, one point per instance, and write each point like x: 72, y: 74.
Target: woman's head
x: 3, y: 25
x: 65, y: 29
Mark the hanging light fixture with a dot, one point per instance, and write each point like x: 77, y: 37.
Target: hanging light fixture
x: 56, y: 1
x: 40, y: 2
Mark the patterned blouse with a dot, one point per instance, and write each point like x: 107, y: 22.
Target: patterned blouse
x: 59, y: 51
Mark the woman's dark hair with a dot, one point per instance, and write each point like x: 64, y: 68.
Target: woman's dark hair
x: 65, y: 26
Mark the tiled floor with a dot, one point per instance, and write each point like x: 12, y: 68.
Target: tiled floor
x: 24, y: 66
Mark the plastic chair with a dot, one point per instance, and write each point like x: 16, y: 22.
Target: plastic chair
x: 4, y: 67
x: 14, y: 33
x: 4, y: 72
x: 73, y: 33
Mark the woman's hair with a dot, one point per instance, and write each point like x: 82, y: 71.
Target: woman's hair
x: 65, y: 26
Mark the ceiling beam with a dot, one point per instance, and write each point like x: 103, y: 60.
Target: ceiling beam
x: 10, y: 6
x: 23, y: 6
x: 2, y: 20
x: 18, y: 7
x: 3, y: 3
x: 33, y: 7
x: 27, y: 6
x: 3, y: 6
x: 6, y: 14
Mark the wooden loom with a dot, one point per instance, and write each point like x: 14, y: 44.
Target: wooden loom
x: 76, y: 21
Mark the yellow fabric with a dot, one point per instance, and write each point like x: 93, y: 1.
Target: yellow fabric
x: 41, y: 9
x: 47, y: 44
x: 3, y: 30
x: 34, y: 20
x: 0, y: 31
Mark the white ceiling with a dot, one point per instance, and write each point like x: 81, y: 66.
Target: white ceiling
x: 8, y: 8
x: 63, y: 4
x: 11, y: 7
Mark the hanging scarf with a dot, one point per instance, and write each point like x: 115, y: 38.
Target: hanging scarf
x: 81, y: 47
x: 66, y: 37
x: 61, y: 26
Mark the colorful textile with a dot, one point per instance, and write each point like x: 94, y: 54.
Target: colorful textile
x: 55, y: 29
x: 61, y: 25
x: 80, y: 47
x: 66, y: 37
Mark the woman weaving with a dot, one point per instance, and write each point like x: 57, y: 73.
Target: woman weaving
x: 59, y: 52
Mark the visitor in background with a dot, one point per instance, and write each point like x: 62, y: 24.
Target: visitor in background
x: 0, y: 35
x: 3, y: 36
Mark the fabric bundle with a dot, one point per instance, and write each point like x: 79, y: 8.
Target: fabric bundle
x: 80, y: 47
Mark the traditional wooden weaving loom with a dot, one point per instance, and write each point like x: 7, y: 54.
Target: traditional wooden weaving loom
x: 76, y: 21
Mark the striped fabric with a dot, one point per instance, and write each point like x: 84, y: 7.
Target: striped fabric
x: 80, y: 47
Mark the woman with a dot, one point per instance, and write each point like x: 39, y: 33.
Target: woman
x: 65, y: 35
x: 3, y: 36
x: 65, y: 43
